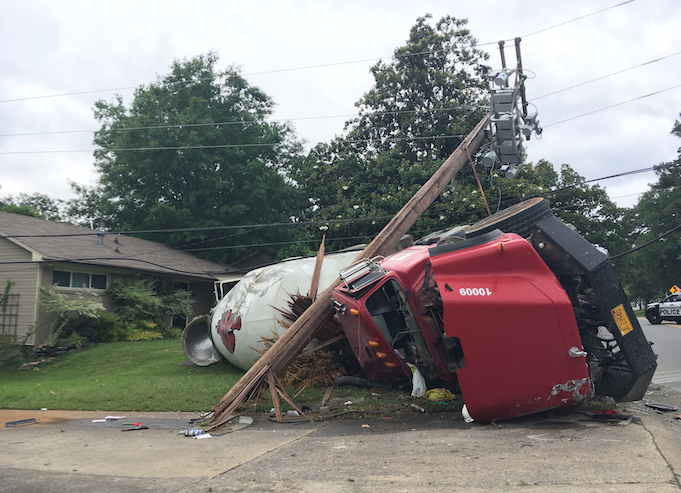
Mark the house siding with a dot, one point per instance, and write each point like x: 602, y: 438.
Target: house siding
x: 16, y: 266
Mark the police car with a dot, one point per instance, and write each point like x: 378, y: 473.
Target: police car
x: 667, y: 309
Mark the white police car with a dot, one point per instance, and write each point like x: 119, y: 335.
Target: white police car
x: 667, y: 309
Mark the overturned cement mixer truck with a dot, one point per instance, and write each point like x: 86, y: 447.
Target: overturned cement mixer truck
x: 518, y: 312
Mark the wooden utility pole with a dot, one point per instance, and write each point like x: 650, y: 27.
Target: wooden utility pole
x: 300, y: 333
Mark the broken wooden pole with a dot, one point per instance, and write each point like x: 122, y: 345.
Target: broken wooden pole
x: 289, y: 346
x: 317, y: 270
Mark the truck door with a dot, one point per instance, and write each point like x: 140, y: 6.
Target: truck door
x: 515, y: 325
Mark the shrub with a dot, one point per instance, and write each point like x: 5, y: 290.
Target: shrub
x: 141, y: 330
x: 75, y: 340
x: 12, y: 347
x: 68, y: 309
x: 139, y: 301
x: 103, y: 329
x: 171, y: 332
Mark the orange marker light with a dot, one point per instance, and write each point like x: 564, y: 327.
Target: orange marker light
x: 354, y: 311
x: 381, y: 355
x: 374, y: 343
x: 389, y: 364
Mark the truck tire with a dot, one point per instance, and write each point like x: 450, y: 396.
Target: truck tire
x: 654, y: 318
x: 519, y: 218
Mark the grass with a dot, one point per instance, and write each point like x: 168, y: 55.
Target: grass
x: 122, y: 376
x: 146, y: 376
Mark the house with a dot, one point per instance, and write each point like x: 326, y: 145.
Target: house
x: 36, y: 253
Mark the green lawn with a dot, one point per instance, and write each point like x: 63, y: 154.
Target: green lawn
x: 121, y: 376
x: 146, y: 376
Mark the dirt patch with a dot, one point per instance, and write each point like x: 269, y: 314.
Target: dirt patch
x: 46, y: 417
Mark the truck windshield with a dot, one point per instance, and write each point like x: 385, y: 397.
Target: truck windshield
x: 390, y: 310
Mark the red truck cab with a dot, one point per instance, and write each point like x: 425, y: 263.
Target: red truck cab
x: 486, y: 314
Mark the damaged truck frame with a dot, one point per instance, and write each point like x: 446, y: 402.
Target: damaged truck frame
x: 518, y: 311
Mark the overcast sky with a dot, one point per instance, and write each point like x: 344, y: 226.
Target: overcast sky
x: 313, y: 59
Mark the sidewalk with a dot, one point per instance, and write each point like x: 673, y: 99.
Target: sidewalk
x: 65, y: 451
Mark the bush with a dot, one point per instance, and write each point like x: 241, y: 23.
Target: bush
x: 8, y: 348
x: 140, y: 302
x: 171, y: 332
x: 75, y: 340
x: 138, y: 313
x: 137, y: 331
x: 102, y: 329
x: 68, y: 310
x: 12, y: 347
x: 110, y: 328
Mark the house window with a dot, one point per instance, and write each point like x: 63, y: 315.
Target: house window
x: 78, y: 279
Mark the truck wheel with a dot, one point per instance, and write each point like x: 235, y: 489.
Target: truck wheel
x: 654, y: 319
x: 519, y: 218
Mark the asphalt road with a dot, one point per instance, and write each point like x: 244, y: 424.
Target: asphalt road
x: 667, y: 345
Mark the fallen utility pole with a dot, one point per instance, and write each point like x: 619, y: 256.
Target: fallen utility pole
x: 289, y: 346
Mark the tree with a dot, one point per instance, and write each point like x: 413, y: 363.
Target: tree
x: 589, y: 209
x: 193, y: 149
x: 139, y: 300
x: 36, y: 205
x: 422, y: 104
x: 424, y: 101
x: 658, y: 266
x: 68, y: 309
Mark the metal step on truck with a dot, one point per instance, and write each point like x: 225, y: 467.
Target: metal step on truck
x: 518, y: 312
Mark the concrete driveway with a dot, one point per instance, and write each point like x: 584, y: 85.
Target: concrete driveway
x: 67, y: 452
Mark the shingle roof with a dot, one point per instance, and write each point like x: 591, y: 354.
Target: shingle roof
x: 60, y: 242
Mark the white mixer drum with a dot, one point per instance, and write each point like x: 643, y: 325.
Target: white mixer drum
x: 247, y: 313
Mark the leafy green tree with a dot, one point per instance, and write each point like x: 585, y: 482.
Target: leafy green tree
x: 658, y: 266
x: 68, y: 309
x: 422, y: 104
x: 36, y: 205
x: 193, y: 149
x: 142, y: 311
x: 589, y: 209
x: 138, y: 300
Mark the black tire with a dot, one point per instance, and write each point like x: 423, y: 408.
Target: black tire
x: 653, y: 318
x: 519, y: 218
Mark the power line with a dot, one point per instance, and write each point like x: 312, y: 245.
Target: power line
x: 394, y: 139
x: 350, y: 141
x: 628, y: 195
x: 207, y: 228
x: 375, y: 113
x: 325, y: 222
x: 618, y: 175
x: 246, y: 122
x: 662, y: 236
x: 611, y: 106
x: 578, y: 18
x: 309, y: 67
x: 603, y: 77
x: 86, y: 259
x: 229, y: 146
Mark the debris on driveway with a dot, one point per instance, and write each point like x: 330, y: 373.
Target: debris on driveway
x: 108, y: 418
x: 660, y: 407
x: 22, y: 422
